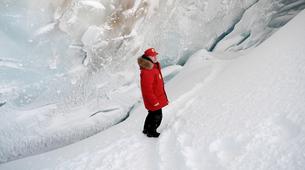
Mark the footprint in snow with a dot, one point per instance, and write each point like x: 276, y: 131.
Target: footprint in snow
x: 288, y: 129
x: 226, y: 149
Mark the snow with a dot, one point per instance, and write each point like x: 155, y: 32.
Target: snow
x: 170, y: 72
x: 45, y: 29
x: 80, y: 15
x: 77, y: 58
x: 51, y: 127
x: 10, y: 64
x: 90, y: 36
x: 238, y: 113
x: 93, y: 4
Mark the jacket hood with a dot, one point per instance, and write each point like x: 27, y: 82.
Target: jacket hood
x: 145, y: 63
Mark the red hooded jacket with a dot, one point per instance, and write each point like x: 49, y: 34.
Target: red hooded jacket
x: 152, y: 84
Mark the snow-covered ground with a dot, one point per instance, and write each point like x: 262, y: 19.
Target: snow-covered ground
x: 227, y: 111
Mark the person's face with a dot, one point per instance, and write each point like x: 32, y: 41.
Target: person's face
x: 153, y: 58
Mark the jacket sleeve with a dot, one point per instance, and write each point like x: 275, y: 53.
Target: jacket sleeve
x: 147, y: 79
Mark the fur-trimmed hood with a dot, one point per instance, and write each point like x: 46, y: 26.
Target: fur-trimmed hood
x: 145, y: 63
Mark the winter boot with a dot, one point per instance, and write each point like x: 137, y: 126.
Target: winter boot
x: 153, y: 134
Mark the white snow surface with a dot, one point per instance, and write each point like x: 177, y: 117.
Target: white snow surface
x: 241, y: 112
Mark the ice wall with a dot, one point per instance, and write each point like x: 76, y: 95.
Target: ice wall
x: 54, y: 38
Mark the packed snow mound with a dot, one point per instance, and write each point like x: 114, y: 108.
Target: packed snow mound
x: 251, y: 116
x: 245, y: 113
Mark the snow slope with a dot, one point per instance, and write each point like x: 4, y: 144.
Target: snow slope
x: 244, y: 113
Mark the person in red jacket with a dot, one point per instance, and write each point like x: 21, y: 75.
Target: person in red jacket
x: 153, y: 92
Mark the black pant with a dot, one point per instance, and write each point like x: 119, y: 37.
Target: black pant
x: 153, y: 120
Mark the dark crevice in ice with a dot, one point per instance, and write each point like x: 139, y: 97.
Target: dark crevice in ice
x: 2, y: 104
x: 230, y: 29
x: 104, y: 111
x: 128, y: 113
x: 244, y: 39
x: 297, y: 6
x: 286, y: 13
x: 245, y: 35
